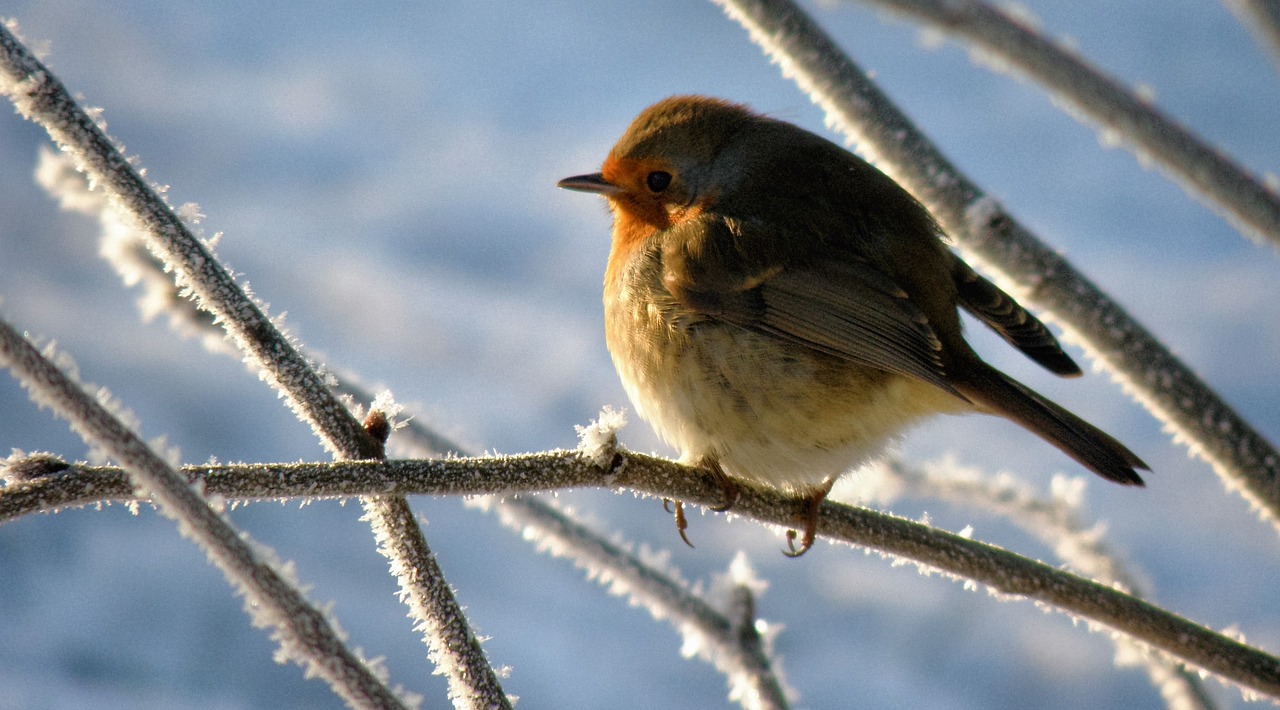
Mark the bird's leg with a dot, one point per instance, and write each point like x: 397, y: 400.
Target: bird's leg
x: 808, y: 520
x: 728, y: 488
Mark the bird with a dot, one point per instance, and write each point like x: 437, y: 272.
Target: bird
x: 780, y: 311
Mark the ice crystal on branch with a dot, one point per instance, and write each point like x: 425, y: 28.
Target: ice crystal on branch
x: 598, y: 441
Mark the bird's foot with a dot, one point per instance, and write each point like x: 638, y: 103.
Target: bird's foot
x: 808, y: 520
x: 728, y: 487
x: 729, y: 490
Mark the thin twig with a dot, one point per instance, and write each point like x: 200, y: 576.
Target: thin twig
x: 731, y: 645
x: 1243, y: 459
x: 305, y: 635
x: 42, y: 98
x: 1056, y: 523
x: 452, y: 646
x: 1003, y: 572
x: 1205, y: 172
x: 1262, y: 19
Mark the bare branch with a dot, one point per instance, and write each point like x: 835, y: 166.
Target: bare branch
x: 1055, y: 521
x: 1245, y: 461
x: 42, y: 98
x: 451, y: 644
x: 1206, y: 173
x: 730, y: 645
x: 306, y: 637
x: 1004, y: 573
x: 1262, y: 19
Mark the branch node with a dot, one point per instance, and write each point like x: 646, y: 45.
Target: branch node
x: 21, y: 466
x: 378, y: 426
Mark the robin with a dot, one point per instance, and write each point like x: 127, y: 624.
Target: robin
x: 779, y: 310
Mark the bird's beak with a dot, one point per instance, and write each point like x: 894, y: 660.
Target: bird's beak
x: 594, y: 182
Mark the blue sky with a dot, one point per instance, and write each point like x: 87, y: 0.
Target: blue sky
x: 386, y: 176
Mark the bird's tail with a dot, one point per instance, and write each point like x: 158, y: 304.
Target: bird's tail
x: 1096, y: 450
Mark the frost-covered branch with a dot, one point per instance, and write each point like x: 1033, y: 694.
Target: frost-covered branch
x: 730, y: 643
x: 451, y: 644
x: 1205, y: 172
x: 1262, y: 19
x: 42, y: 98
x: 306, y: 637
x: 121, y: 244
x: 47, y: 484
x: 44, y: 483
x: 1002, y: 572
x: 1244, y: 460
x: 1056, y: 522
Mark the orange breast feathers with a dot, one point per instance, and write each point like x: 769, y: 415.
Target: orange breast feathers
x: 638, y: 212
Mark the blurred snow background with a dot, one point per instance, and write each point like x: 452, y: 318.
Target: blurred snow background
x: 385, y: 174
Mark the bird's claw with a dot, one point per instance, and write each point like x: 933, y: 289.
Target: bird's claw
x: 729, y: 489
x: 682, y: 523
x: 808, y: 525
x: 805, y: 543
x: 731, y: 492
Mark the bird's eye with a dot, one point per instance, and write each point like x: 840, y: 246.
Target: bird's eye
x: 658, y: 180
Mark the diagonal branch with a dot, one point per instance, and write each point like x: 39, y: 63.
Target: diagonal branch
x: 305, y: 635
x: 42, y: 98
x: 1056, y: 523
x: 1262, y: 19
x: 1205, y: 172
x: 732, y: 645
x: 1244, y: 460
x: 451, y: 644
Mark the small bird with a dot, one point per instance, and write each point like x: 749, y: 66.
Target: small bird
x: 779, y: 310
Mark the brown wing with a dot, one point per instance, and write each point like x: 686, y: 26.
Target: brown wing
x: 847, y: 308
x: 1011, y: 321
